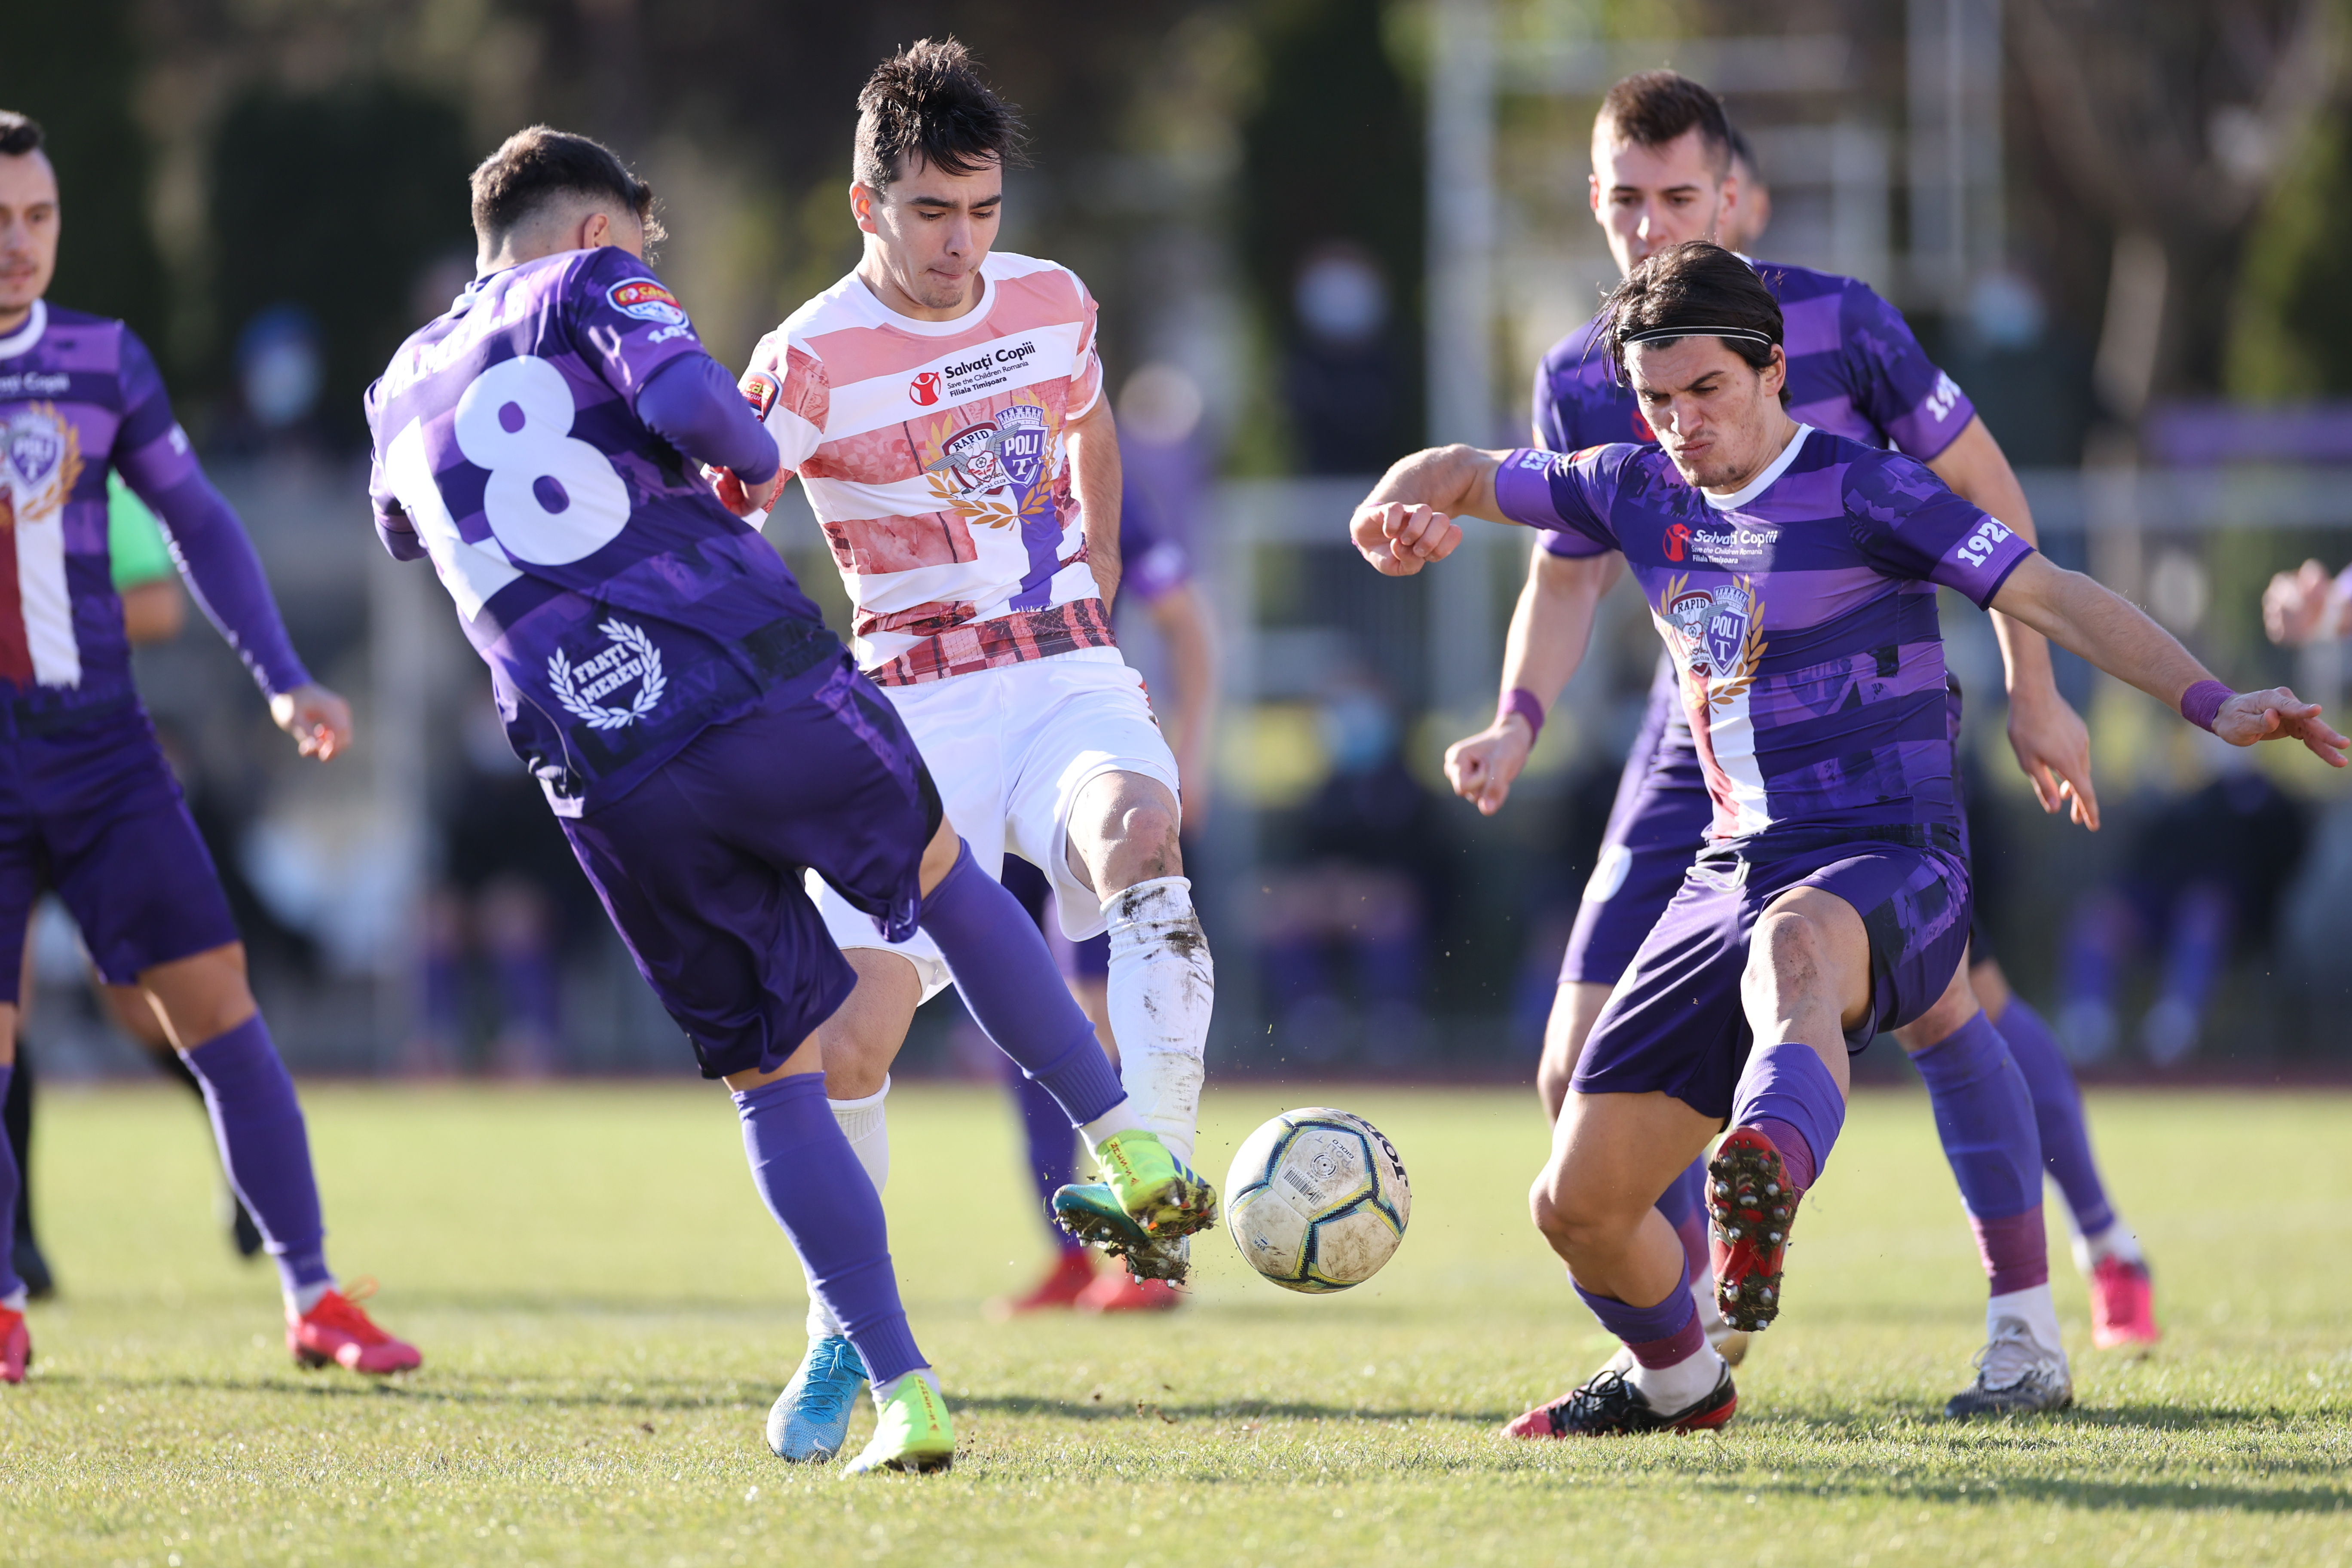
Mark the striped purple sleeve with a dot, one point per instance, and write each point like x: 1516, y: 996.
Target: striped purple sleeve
x: 152, y: 454
x: 1910, y: 524
x: 1542, y: 490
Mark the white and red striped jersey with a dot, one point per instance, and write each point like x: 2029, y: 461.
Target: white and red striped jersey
x: 933, y: 457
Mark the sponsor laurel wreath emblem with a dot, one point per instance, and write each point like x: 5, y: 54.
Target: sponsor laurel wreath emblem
x: 628, y: 654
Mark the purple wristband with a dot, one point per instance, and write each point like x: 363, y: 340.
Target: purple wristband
x: 2201, y: 701
x: 1518, y: 699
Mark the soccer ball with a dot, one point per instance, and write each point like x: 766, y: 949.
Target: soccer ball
x: 1318, y: 1200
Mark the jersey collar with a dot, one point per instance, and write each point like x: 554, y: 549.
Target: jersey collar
x: 1763, y: 482
x: 25, y: 336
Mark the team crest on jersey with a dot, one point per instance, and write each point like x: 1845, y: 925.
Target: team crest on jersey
x: 992, y: 473
x: 647, y: 301
x: 41, y: 462
x: 761, y: 390
x: 627, y: 658
x: 1718, y: 633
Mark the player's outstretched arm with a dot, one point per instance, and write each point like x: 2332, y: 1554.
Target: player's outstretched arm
x: 1407, y: 521
x: 2076, y: 612
x: 2307, y: 604
x: 1550, y: 629
x: 2052, y: 742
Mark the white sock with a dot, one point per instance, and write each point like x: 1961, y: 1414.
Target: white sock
x: 1119, y: 1118
x: 2032, y: 1307
x: 1162, y: 985
x: 300, y: 1301
x: 865, y: 1124
x: 2115, y: 1241
x: 883, y: 1391
x: 15, y: 1299
x: 1681, y: 1385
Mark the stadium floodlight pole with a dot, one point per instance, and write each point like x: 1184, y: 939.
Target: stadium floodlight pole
x: 1460, y: 313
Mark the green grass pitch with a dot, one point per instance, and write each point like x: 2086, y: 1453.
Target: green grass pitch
x: 606, y: 1311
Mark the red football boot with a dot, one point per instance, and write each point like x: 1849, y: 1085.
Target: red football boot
x: 1609, y: 1407
x: 1073, y: 1271
x: 15, y: 1346
x: 336, y: 1331
x: 1751, y: 1203
x: 2123, y: 1305
x: 1119, y: 1291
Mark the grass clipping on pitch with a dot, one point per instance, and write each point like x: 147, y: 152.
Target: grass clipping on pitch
x: 606, y: 1311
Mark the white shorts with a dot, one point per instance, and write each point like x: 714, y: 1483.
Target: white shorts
x: 1009, y: 748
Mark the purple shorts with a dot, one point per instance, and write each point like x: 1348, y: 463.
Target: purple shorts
x: 700, y: 864
x: 1657, y: 824
x: 1675, y: 1025
x: 94, y: 812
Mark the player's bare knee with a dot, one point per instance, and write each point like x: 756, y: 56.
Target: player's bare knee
x: 1786, y: 955
x: 1564, y: 1211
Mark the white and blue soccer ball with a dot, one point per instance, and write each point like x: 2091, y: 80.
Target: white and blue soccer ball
x: 1318, y: 1200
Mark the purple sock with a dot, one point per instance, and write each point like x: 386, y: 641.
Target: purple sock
x: 1786, y: 1092
x: 1008, y: 980
x: 1660, y: 1336
x: 2058, y: 1115
x: 1684, y: 1205
x: 811, y: 1183
x: 9, y: 1283
x: 1984, y: 1115
x: 1051, y: 1152
x: 265, y: 1147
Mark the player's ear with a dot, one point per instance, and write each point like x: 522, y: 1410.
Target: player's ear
x: 861, y: 206
x: 596, y: 229
x: 1592, y: 193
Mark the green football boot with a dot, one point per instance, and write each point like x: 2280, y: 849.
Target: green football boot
x: 1146, y: 1200
x: 911, y: 1432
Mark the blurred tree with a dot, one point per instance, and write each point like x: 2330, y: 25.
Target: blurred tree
x: 75, y: 69
x: 2291, y: 331
x: 335, y: 202
x: 2170, y: 122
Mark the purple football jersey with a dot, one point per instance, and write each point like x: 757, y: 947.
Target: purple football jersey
x: 1801, y: 616
x: 80, y: 394
x: 619, y: 607
x: 1854, y: 369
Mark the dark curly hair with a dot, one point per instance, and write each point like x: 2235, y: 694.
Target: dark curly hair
x: 927, y: 104
x: 1693, y: 285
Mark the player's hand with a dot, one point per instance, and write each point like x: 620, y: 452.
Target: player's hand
x: 1481, y: 766
x: 2298, y: 604
x: 2279, y: 715
x: 741, y: 499
x: 320, y: 721
x: 2053, y: 746
x: 1400, y: 540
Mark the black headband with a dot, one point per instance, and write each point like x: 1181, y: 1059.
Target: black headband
x: 1654, y: 334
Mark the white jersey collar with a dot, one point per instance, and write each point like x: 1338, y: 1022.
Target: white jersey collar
x: 25, y: 336
x: 1763, y: 482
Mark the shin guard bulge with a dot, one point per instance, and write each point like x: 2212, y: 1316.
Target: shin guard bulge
x: 827, y: 1208
x: 266, y: 1149
x: 1007, y: 979
x: 1163, y: 988
x: 1984, y: 1116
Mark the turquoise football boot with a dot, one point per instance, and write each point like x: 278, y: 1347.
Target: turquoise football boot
x: 810, y: 1420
